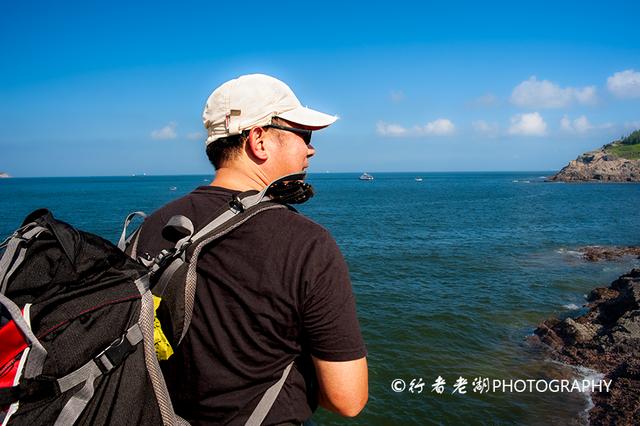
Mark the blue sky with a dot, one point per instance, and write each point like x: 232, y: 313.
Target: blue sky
x: 97, y: 88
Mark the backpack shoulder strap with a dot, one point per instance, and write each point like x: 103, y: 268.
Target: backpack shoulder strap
x: 268, y: 398
x: 240, y: 209
x: 176, y: 268
x: 124, y: 242
x: 245, y: 201
x: 180, y: 263
x: 15, y: 251
x: 216, y: 233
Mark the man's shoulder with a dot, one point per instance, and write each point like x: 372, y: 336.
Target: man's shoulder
x: 198, y: 205
x: 293, y: 223
x: 204, y: 203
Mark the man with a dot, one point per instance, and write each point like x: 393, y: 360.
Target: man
x: 275, y: 289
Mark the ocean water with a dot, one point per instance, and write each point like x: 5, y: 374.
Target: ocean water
x: 451, y: 274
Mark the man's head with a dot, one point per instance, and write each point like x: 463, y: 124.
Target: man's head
x: 259, y: 116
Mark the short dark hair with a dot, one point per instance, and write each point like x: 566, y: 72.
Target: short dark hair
x: 225, y: 149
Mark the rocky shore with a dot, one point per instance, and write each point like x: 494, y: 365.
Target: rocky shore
x: 597, y: 253
x: 618, y: 161
x: 605, y: 339
x: 599, y: 166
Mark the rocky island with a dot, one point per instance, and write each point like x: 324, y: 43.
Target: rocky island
x: 4, y: 175
x: 618, y: 161
x: 605, y: 339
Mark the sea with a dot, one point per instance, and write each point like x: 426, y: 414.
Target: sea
x: 451, y: 273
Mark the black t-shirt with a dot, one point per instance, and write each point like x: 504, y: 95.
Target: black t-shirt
x: 273, y: 290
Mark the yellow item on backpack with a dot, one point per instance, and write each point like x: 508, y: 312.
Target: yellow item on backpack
x: 160, y: 341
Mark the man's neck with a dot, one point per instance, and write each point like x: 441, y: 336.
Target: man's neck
x: 237, y: 179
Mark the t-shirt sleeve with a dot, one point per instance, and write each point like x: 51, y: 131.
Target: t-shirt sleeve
x: 329, y: 312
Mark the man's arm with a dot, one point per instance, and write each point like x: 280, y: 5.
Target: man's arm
x: 343, y: 385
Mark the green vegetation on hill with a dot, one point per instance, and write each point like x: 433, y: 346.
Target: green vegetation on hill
x: 630, y: 152
x: 632, y: 139
x: 627, y: 147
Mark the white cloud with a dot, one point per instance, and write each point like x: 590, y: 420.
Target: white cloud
x: 625, y: 84
x: 579, y: 125
x: 195, y: 136
x: 546, y: 94
x: 486, y: 129
x: 530, y: 124
x: 586, y: 95
x: 392, y: 130
x: 439, y: 127
x: 167, y: 132
x: 397, y: 96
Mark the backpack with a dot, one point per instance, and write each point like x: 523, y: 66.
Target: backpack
x: 77, y: 340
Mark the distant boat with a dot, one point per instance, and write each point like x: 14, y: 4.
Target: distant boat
x: 365, y: 176
x: 172, y: 188
x: 418, y: 179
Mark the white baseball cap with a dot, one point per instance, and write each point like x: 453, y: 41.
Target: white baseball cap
x: 254, y: 100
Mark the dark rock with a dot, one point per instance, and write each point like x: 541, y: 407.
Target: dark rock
x: 601, y: 293
x: 629, y: 369
x: 605, y: 339
x: 597, y: 253
x: 610, y: 310
x: 549, y: 336
x: 626, y: 332
x: 575, y: 332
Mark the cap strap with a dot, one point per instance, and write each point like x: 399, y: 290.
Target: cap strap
x: 232, y: 121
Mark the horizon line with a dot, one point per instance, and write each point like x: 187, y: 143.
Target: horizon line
x: 308, y: 173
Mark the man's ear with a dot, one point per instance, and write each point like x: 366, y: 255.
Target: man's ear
x: 256, y: 145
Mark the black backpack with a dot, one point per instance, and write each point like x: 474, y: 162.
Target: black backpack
x: 77, y: 316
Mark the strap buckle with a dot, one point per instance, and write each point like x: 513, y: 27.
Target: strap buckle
x: 114, y: 354
x: 236, y: 204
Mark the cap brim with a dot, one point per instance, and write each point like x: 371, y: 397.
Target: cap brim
x: 308, y: 117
